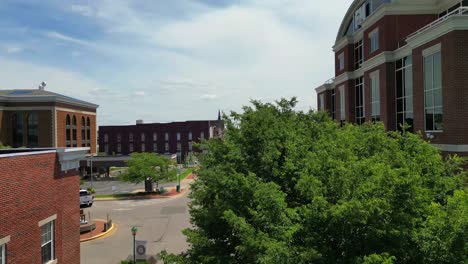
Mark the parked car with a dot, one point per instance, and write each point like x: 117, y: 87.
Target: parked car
x: 86, y: 199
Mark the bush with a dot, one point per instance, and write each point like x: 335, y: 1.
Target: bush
x: 91, y: 190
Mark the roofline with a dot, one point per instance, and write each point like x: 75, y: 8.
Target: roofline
x: 158, y: 123
x: 47, y: 98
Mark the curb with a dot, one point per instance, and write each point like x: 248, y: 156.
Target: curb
x: 102, y: 235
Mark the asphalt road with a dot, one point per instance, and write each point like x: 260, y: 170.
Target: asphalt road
x: 105, y: 187
x: 159, y: 222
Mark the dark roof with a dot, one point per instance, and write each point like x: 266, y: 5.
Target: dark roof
x: 33, y: 95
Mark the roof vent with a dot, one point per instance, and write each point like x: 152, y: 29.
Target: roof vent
x: 42, y: 86
x: 139, y: 121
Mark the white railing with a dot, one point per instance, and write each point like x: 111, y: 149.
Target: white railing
x: 461, y: 11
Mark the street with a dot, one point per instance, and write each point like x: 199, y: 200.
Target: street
x: 159, y: 222
x: 105, y: 186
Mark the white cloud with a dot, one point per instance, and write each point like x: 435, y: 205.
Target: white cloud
x: 209, y: 97
x: 82, y: 10
x: 139, y: 93
x: 12, y: 49
x: 62, y: 37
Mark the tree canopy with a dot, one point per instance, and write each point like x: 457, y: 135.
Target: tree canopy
x: 147, y: 165
x: 284, y: 186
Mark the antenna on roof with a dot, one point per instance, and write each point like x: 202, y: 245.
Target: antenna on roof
x: 42, y: 86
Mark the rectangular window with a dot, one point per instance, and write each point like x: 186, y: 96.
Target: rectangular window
x: 47, y: 242
x: 404, y: 93
x: 166, y: 136
x: 18, y: 130
x: 179, y: 147
x: 143, y: 148
x: 433, y: 92
x: 360, y: 109
x: 143, y: 137
x: 333, y: 105
x: 166, y: 147
x: 190, y: 136
x: 178, y: 136
x: 375, y: 96
x: 2, y: 254
x: 155, y: 137
x: 341, y: 61
x: 342, y: 103
x: 155, y: 147
x: 190, y: 146
x: 119, y: 138
x: 202, y: 135
x: 322, y: 102
x: 119, y: 147
x: 130, y: 147
x: 374, y: 40
x: 106, y: 148
x: 130, y: 137
x: 358, y: 54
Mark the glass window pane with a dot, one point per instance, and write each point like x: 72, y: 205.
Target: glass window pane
x: 408, y: 81
x: 408, y: 60
x: 400, y: 105
x: 429, y: 120
x: 428, y: 99
x: 399, y: 84
x: 437, y: 70
x: 428, y: 73
x: 438, y: 118
x: 438, y: 97
x: 46, y: 253
x: 409, y: 104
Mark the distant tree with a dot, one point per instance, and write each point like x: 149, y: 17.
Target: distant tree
x: 293, y: 187
x: 142, y: 166
x: 4, y: 146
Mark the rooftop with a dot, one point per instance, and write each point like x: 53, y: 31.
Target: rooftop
x: 37, y: 95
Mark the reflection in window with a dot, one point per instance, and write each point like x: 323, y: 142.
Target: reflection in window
x: 433, y: 92
x: 83, y: 132
x: 68, y: 131
x: 404, y: 93
x: 33, y: 134
x: 375, y: 96
x: 74, y: 131
x: 88, y: 132
x: 18, y: 130
x: 360, y: 110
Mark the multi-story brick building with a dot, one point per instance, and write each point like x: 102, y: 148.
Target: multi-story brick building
x: 164, y: 138
x: 403, y: 62
x: 40, y: 118
x: 39, y: 191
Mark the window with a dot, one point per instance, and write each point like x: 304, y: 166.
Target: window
x: 166, y: 147
x: 333, y: 105
x: 342, y: 103
x: 190, y: 136
x: 166, y: 136
x: 374, y: 40
x: 88, y: 132
x: 155, y: 147
x: 119, y: 147
x: 155, y: 136
x: 83, y: 132
x: 106, y: 148
x: 143, y: 137
x: 179, y: 147
x: 341, y: 62
x: 190, y: 146
x: 33, y: 135
x: 404, y: 93
x: 106, y: 138
x: 130, y: 147
x: 130, y: 137
x: 143, y: 148
x: 178, y: 136
x: 358, y: 54
x: 2, y: 254
x: 119, y: 137
x: 202, y: 135
x: 74, y: 144
x: 322, y: 102
x: 375, y: 96
x: 68, y: 131
x: 360, y: 109
x: 433, y: 92
x: 47, y: 242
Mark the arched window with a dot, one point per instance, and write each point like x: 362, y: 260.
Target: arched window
x: 68, y: 131
x: 17, y: 130
x: 83, y: 132
x: 88, y: 132
x: 74, y: 131
x: 33, y: 135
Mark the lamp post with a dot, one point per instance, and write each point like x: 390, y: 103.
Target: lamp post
x: 178, y: 177
x: 134, y: 231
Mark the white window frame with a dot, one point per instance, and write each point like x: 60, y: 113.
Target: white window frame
x: 50, y: 220
x: 341, y: 61
x: 3, y: 249
x: 342, y: 103
x: 375, y: 93
x: 374, y: 40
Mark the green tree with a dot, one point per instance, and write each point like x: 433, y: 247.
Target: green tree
x: 291, y: 187
x: 142, y: 166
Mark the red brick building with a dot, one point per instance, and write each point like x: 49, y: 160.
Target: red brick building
x: 403, y: 62
x: 164, y: 138
x: 40, y: 118
x: 39, y: 220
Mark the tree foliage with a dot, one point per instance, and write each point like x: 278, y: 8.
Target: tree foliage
x: 142, y: 166
x: 291, y: 187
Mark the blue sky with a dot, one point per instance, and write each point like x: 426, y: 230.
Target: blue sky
x: 163, y: 61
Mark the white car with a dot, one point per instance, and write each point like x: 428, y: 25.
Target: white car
x: 86, y: 199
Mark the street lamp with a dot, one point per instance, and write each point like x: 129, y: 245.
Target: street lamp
x: 134, y: 231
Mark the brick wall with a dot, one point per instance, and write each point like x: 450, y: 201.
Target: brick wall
x: 61, y: 128
x: 33, y: 189
x: 44, y: 128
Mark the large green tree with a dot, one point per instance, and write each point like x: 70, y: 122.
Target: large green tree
x: 142, y: 166
x: 291, y: 187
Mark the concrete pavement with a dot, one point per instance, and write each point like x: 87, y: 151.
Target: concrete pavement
x: 159, y: 222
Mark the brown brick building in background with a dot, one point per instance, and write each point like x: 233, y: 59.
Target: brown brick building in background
x: 39, y: 220
x: 43, y: 119
x: 403, y: 62
x: 164, y: 138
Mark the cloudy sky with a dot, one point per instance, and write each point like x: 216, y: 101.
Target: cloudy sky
x: 166, y: 60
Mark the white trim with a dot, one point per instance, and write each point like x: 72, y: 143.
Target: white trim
x: 69, y: 158
x: 26, y: 153
x: 55, y: 261
x: 451, y: 147
x: 47, y: 220
x: 74, y: 111
x: 451, y: 24
x: 432, y: 50
x: 5, y: 240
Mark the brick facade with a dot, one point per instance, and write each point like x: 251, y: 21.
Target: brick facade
x: 33, y: 188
